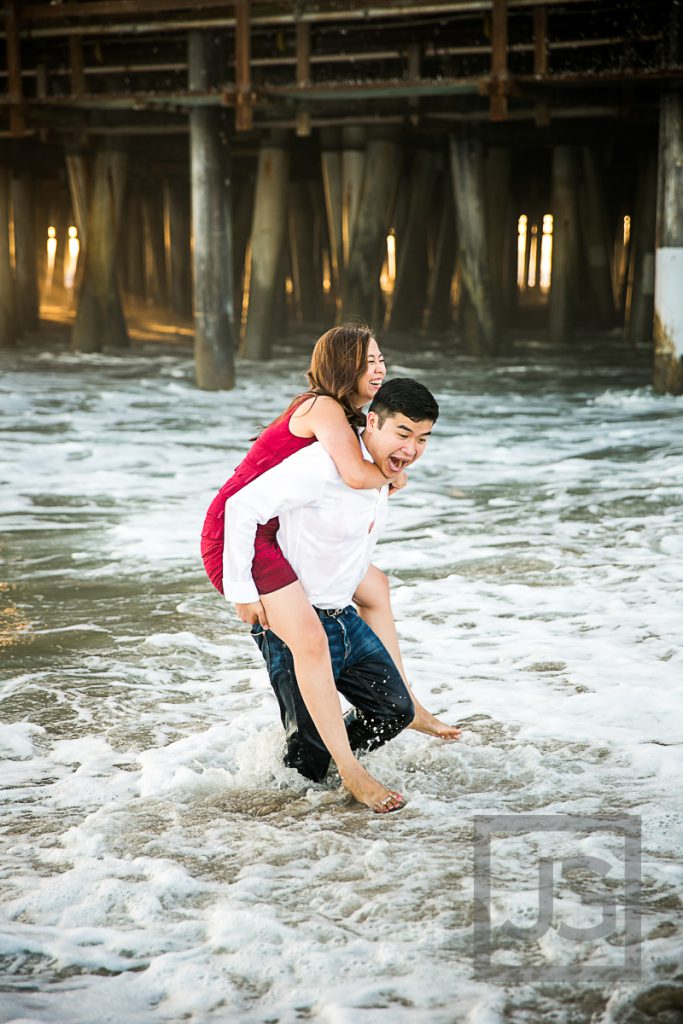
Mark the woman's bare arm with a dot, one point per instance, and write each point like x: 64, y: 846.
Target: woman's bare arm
x: 326, y: 420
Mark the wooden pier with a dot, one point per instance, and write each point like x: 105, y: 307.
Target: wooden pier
x: 473, y: 166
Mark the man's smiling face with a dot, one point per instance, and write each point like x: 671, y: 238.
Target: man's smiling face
x: 397, y: 441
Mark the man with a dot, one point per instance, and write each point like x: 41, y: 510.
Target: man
x: 328, y: 532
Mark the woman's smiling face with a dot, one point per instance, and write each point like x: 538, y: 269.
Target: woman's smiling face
x: 370, y: 379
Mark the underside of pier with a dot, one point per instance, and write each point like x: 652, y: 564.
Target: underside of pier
x: 468, y: 169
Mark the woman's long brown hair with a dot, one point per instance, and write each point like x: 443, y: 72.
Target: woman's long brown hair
x: 338, y: 359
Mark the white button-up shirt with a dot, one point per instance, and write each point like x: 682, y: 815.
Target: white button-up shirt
x: 328, y: 531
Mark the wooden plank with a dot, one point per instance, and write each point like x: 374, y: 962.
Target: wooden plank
x: 243, y: 111
x: 354, y: 11
x: 107, y: 8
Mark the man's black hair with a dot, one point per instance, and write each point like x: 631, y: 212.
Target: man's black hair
x: 403, y: 395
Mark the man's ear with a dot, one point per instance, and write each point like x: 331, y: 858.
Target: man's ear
x: 372, y: 421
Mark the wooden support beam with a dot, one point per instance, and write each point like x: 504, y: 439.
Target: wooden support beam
x: 25, y: 251
x: 8, y: 323
x: 499, y: 60
x: 565, y: 246
x: 361, y: 292
x: 179, y: 275
x: 77, y: 171
x: 243, y: 110
x: 99, y: 319
x: 412, y: 268
x: 155, y: 255
x: 438, y: 313
x: 76, y: 66
x: 211, y: 229
x: 301, y: 230
x: 541, y: 61
x: 268, y: 233
x: 352, y: 173
x: 303, y: 74
x: 135, y: 281
x: 668, y: 321
x: 640, y: 290
x: 331, y: 164
x: 593, y: 204
x: 500, y: 232
x: 353, y: 12
x: 469, y: 193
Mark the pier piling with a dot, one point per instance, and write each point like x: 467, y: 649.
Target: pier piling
x: 668, y: 318
x: 25, y: 251
x: 361, y: 296
x: 99, y: 317
x: 467, y: 169
x: 268, y: 232
x: 8, y: 324
x: 565, y: 245
x: 211, y: 228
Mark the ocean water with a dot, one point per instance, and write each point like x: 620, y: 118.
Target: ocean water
x: 159, y: 864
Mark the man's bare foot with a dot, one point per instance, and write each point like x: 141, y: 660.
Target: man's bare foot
x: 425, y: 722
x: 370, y: 792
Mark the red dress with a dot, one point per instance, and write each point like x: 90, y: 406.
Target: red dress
x: 270, y: 568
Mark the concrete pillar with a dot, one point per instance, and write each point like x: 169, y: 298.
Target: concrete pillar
x: 331, y: 163
x: 99, y: 320
x: 353, y: 171
x: 640, y: 292
x: 360, y: 291
x: 178, y: 251
x: 301, y: 234
x: 596, y: 237
x: 268, y: 229
x: 565, y: 245
x: 214, y: 317
x: 412, y: 267
x: 25, y: 252
x: 467, y: 170
x: 438, y: 311
x: 668, y: 320
x: 8, y: 324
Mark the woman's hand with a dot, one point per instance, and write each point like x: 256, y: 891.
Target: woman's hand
x: 252, y: 613
x: 398, y: 482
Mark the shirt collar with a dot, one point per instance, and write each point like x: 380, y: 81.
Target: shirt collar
x: 366, y: 454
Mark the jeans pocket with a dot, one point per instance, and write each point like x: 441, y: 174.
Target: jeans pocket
x: 260, y: 638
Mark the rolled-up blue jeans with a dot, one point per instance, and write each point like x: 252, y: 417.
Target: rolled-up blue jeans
x: 363, y: 672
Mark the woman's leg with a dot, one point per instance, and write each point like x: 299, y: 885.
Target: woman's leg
x: 373, y: 601
x: 293, y: 620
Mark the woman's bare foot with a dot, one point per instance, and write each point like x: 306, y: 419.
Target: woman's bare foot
x: 425, y: 722
x: 370, y: 792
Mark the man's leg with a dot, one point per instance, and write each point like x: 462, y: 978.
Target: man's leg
x: 305, y: 750
x: 370, y: 680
